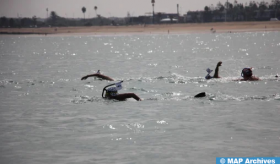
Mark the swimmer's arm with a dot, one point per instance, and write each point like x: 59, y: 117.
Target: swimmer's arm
x: 97, y: 75
x: 216, y: 75
x: 254, y: 78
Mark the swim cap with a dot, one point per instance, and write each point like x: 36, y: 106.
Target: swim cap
x: 246, y: 72
x: 209, y: 70
x: 208, y: 76
x: 119, y: 85
x: 115, y: 89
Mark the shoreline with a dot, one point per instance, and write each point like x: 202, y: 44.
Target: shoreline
x: 217, y: 27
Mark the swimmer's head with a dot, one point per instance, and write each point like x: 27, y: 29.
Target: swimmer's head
x: 208, y: 76
x: 209, y: 70
x: 247, y: 72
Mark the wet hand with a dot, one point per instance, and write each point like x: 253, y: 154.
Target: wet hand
x: 219, y: 64
x: 84, y: 78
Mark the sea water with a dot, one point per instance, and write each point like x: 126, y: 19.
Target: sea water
x: 48, y: 115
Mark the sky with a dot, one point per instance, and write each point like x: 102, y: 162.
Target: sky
x: 106, y: 8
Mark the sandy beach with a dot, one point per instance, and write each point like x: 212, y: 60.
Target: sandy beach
x: 221, y: 27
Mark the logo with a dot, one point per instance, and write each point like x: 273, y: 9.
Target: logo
x: 247, y: 160
x: 222, y: 161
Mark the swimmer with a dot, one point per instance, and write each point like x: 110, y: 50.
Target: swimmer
x: 216, y: 74
x: 112, y: 93
x: 247, y: 75
x: 99, y: 75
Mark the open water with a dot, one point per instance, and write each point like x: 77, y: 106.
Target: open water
x: 48, y: 115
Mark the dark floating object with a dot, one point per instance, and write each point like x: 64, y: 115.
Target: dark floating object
x: 276, y: 76
x: 202, y: 94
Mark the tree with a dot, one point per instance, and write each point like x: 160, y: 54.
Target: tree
x: 84, y: 11
x: 220, y: 6
x: 127, y: 20
x: 207, y: 14
x: 153, y: 4
x: 262, y: 8
x: 238, y: 11
x: 3, y: 21
x: 276, y: 5
x: 22, y: 22
x: 11, y: 22
x: 206, y: 8
x: 95, y: 8
x: 53, y: 17
x: 159, y: 15
x: 100, y: 20
x: 34, y: 19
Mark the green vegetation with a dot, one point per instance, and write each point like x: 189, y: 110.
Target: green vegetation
x: 252, y: 11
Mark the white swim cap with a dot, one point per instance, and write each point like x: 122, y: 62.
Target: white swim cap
x: 112, y: 89
x: 119, y: 85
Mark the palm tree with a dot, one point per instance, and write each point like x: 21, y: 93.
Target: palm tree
x: 84, y: 11
x: 53, y: 17
x: 178, y: 10
x: 34, y: 19
x: 153, y: 3
x: 47, y: 12
x: 95, y: 8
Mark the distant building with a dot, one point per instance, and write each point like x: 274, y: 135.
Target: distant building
x: 193, y: 17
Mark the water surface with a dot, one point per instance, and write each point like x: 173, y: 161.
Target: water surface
x: 48, y: 115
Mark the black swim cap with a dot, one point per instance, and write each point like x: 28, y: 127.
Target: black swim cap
x: 246, y: 72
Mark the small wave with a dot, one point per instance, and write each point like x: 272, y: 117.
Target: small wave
x: 85, y: 99
x: 138, y: 89
x: 160, y: 77
x: 7, y: 81
x: 174, y: 78
x: 212, y: 97
x: 270, y: 78
x: 224, y: 97
x: 179, y: 79
x: 25, y: 82
x: 265, y: 67
x: 152, y: 99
